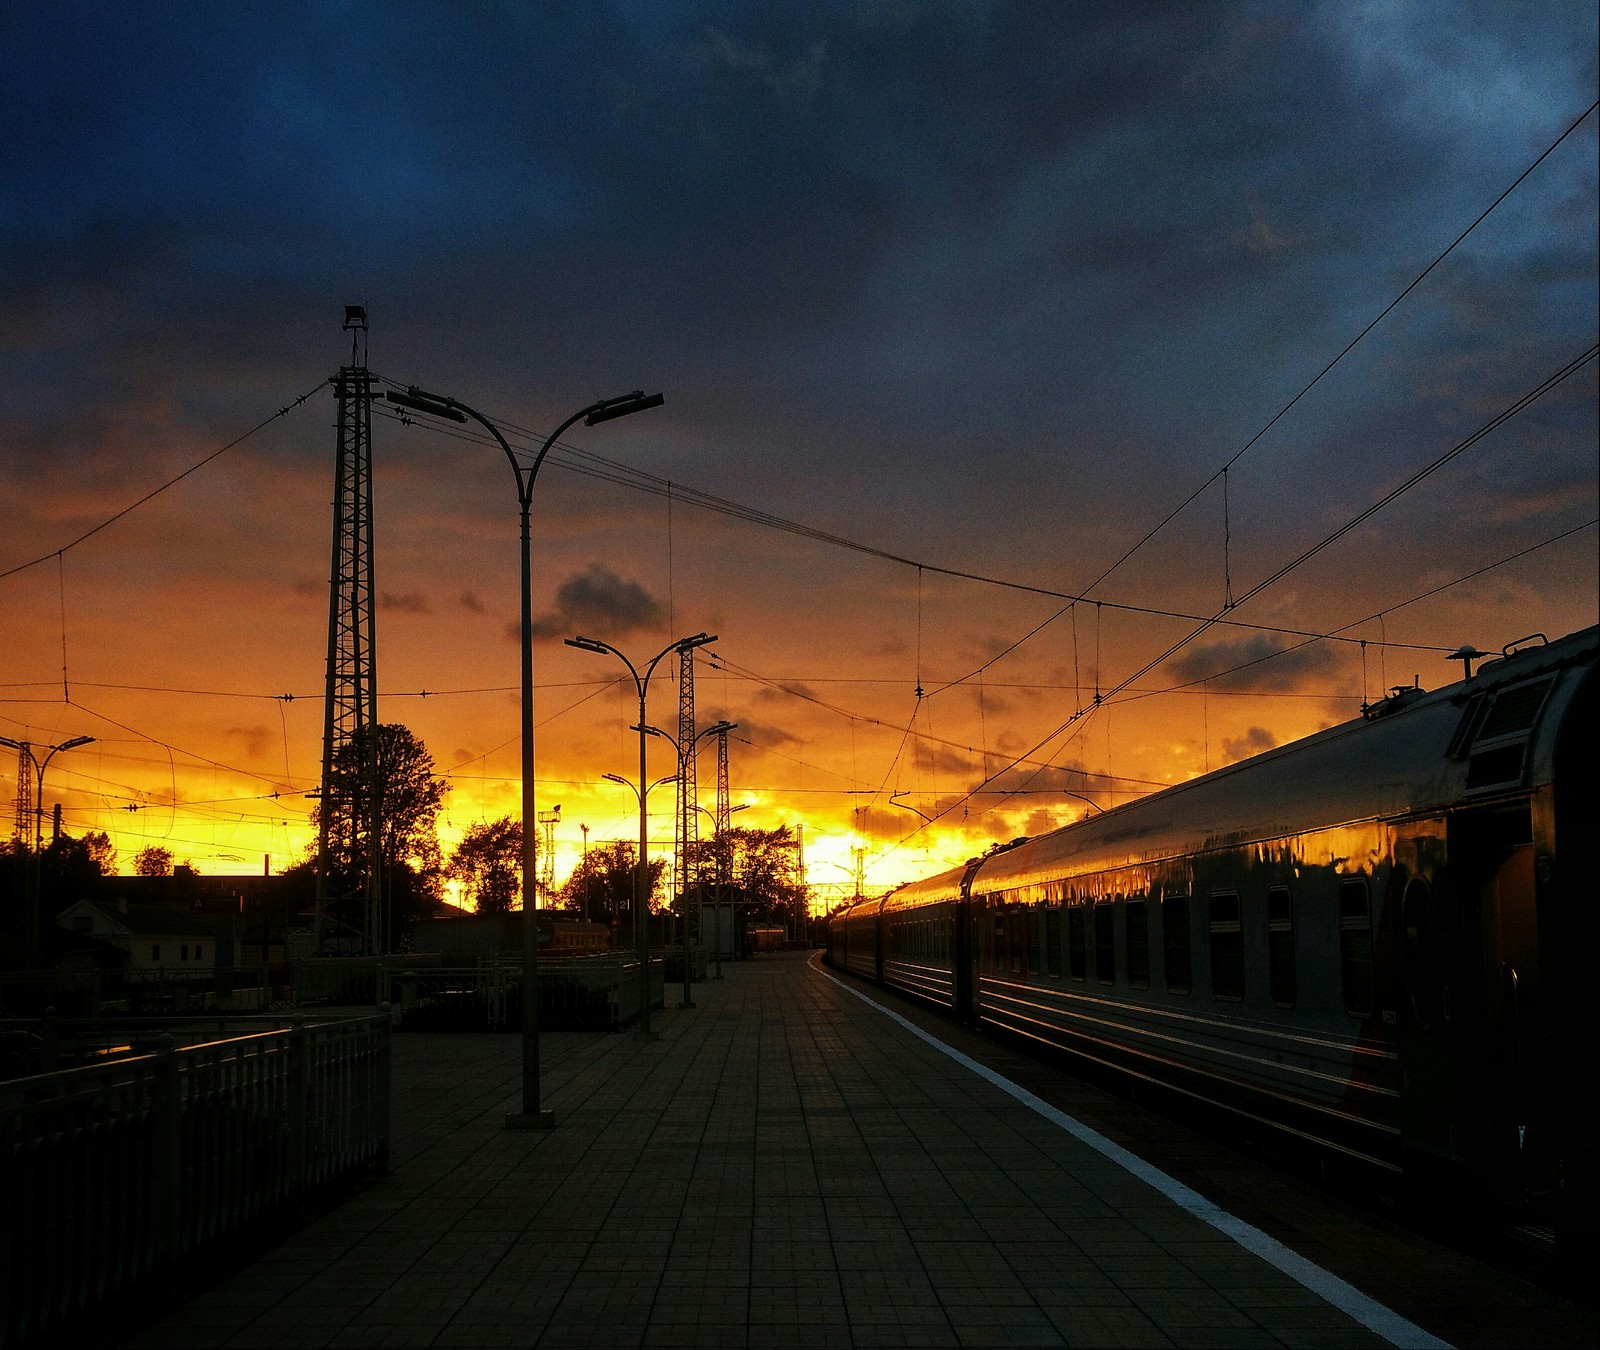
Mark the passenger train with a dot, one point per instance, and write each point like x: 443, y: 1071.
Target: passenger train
x: 1381, y: 938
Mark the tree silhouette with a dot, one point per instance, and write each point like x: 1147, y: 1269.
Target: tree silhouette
x: 762, y: 868
x: 601, y: 886
x: 488, y: 864
x: 153, y: 861
x: 410, y: 796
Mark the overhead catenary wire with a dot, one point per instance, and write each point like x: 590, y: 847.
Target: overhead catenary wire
x: 157, y: 491
x: 639, y: 480
x: 1516, y: 407
x: 1223, y: 469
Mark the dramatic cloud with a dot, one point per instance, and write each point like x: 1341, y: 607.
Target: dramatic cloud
x: 411, y: 602
x: 253, y: 742
x: 1253, y: 742
x: 598, y: 603
x: 763, y: 735
x: 1260, y: 663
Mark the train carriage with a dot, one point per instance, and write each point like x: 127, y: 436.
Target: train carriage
x: 1364, y: 937
x: 920, y: 935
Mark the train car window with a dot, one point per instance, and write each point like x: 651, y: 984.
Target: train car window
x: 1175, y: 943
x: 1138, y: 922
x: 1019, y: 942
x: 1227, y: 946
x: 1105, y: 944
x: 1077, y: 943
x: 1280, y: 946
x: 1052, y: 942
x: 1035, y: 942
x: 999, y: 942
x: 1355, y: 947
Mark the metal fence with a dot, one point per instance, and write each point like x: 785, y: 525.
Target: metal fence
x: 114, y: 1174
x: 598, y: 992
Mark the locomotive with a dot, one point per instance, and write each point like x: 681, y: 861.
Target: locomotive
x: 1380, y: 938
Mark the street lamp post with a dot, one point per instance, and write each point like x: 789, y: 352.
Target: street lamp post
x: 641, y: 887
x: 683, y: 861
x: 583, y: 868
x: 722, y: 896
x: 34, y: 873
x: 531, y: 1116
x: 641, y: 891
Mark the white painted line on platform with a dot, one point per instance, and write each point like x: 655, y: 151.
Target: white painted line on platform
x: 1368, y: 1312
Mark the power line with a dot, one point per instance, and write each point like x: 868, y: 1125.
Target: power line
x: 721, y: 662
x: 1500, y: 418
x: 638, y: 480
x: 290, y: 698
x: 156, y: 492
x: 1283, y: 411
x: 1138, y: 694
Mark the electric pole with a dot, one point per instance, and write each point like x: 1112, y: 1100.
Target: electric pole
x: 350, y: 825
x: 688, y: 808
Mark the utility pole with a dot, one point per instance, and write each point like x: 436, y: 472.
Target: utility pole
x: 350, y: 824
x: 720, y: 834
x: 688, y: 802
x: 584, y: 872
x: 802, y: 913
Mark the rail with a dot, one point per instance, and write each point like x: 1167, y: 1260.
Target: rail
x: 114, y: 1175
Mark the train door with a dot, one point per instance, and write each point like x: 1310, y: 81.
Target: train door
x: 1424, y: 911
x: 1493, y: 1002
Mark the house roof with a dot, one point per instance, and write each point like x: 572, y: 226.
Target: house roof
x: 153, y: 920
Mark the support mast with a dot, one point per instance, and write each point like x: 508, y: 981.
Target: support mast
x: 349, y: 834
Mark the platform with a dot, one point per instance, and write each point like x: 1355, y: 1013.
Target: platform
x: 791, y: 1164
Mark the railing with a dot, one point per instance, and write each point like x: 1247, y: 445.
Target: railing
x: 594, y: 992
x: 112, y: 1175
x: 48, y: 1044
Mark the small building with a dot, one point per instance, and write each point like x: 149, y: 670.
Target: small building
x: 163, y: 944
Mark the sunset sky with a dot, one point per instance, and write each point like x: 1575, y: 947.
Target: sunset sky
x: 931, y: 289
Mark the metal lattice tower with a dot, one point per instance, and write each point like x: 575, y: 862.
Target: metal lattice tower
x: 349, y: 834
x: 23, y: 830
x: 724, y: 808
x: 688, y: 830
x: 548, y: 820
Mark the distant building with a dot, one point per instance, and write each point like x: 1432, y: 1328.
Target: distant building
x: 264, y: 910
x: 163, y: 945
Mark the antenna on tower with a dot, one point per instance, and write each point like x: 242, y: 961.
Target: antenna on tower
x: 349, y: 817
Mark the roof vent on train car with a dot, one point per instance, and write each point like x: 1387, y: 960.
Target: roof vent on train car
x: 1494, y: 730
x: 1397, y: 698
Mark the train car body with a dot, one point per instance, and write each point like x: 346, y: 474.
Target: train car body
x: 1381, y: 937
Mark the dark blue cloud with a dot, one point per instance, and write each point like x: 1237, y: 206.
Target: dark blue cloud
x: 1109, y: 240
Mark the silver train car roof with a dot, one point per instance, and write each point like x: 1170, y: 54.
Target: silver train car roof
x: 1411, y: 754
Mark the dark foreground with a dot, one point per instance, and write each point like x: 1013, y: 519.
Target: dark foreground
x: 788, y: 1166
